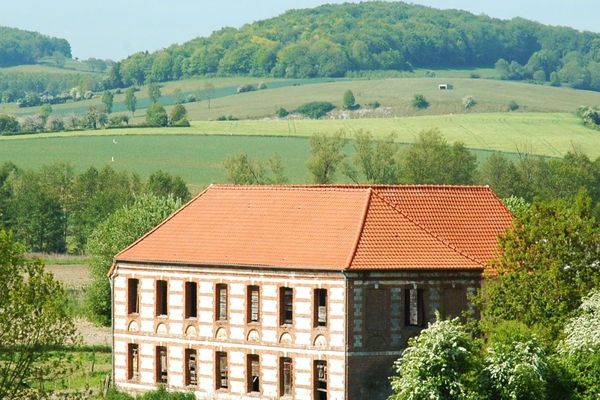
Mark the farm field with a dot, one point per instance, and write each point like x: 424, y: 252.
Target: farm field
x: 197, y: 153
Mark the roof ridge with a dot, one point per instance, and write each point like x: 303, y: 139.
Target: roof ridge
x: 360, y: 230
x: 157, y: 226
x: 429, y: 232
x: 347, y: 186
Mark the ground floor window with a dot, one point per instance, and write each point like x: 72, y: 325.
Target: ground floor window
x: 320, y: 380
x: 161, y: 364
x: 285, y: 376
x: 133, y: 362
x: 253, y: 373
x: 191, y: 377
x: 222, y: 375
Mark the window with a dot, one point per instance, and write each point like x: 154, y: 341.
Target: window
x: 320, y: 380
x: 285, y: 377
x: 161, y: 298
x: 191, y: 300
x: 253, y: 304
x: 133, y: 298
x: 191, y: 377
x: 252, y: 373
x: 286, y: 307
x: 320, y: 311
x: 222, y: 377
x: 221, y: 302
x: 133, y: 361
x: 413, y: 309
x: 161, y: 364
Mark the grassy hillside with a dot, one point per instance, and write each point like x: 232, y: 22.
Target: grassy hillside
x: 197, y: 153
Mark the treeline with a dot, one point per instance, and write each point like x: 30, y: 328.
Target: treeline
x: 335, y: 40
x: 54, y: 209
x: 431, y: 160
x: 24, y: 47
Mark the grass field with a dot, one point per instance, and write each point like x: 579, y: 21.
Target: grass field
x: 197, y: 153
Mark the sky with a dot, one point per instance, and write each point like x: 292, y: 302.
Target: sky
x: 117, y: 28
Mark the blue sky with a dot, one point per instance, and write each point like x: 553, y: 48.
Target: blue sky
x: 117, y: 28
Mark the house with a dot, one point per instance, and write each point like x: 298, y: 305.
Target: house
x: 445, y: 86
x: 299, y: 291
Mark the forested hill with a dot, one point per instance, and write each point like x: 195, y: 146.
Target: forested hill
x: 332, y: 40
x: 24, y: 47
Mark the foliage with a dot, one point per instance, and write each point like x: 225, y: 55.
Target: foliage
x: 242, y: 170
x: 468, y: 102
x: 583, y: 330
x: 112, y: 235
x: 119, y: 120
x: 437, y: 365
x: 245, y: 88
x: 156, y: 115
x: 315, y: 109
x: 502, y: 176
x: 419, y: 102
x: 24, y: 47
x: 590, y: 116
x: 432, y: 160
x: 548, y: 261
x: 94, y: 118
x: 178, y: 115
x: 376, y: 159
x: 8, y: 124
x: 327, y: 153
x: 154, y: 92
x: 517, y: 206
x: 159, y: 394
x: 163, y: 184
x: 107, y: 100
x: 282, y: 112
x: 33, y: 319
x: 348, y: 100
x: 512, y: 106
x: 130, y: 100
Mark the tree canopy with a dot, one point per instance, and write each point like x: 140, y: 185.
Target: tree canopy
x: 24, y: 47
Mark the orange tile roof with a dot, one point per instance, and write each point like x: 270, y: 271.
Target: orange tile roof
x: 332, y: 227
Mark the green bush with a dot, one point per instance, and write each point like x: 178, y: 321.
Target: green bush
x: 227, y: 118
x: 246, y: 88
x: 374, y: 105
x: 8, y: 124
x: 513, y: 106
x: 282, y: 112
x: 469, y: 102
x: 348, y: 100
x: 420, y: 102
x: 156, y: 115
x: 315, y: 109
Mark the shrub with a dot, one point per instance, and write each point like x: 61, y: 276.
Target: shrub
x: 420, y: 102
x: 315, y: 109
x: 590, y: 116
x: 178, y: 113
x: 118, y: 120
x: 474, y: 75
x: 282, y: 112
x: 227, y: 118
x: 262, y: 86
x: 8, y: 124
x: 246, y: 88
x: 539, y: 76
x: 55, y: 124
x: 374, y: 105
x: 156, y: 115
x: 348, y: 100
x: 468, y: 102
x: 513, y: 106
x: 430, y: 74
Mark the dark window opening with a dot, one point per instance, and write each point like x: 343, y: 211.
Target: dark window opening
x: 414, y: 308
x: 161, y: 298
x: 320, y: 317
x: 286, y: 306
x: 253, y: 373
x: 253, y: 304
x: 133, y: 362
x: 221, y: 370
x: 161, y: 364
x: 133, y: 298
x: 320, y: 380
x: 221, y: 293
x: 285, y: 376
x: 191, y: 300
x: 191, y: 367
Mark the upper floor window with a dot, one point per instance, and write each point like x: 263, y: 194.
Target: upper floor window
x: 286, y: 306
x: 413, y: 307
x: 253, y: 304
x: 133, y: 297
x: 191, y: 300
x: 161, y: 298
x: 320, y: 309
x: 221, y: 302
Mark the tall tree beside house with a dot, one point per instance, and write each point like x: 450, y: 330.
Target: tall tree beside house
x: 374, y: 159
x: 242, y: 170
x: 130, y: 100
x: 327, y: 153
x: 163, y: 184
x: 116, y: 232
x: 34, y: 318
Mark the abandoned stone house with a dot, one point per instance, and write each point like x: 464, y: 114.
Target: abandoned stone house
x: 304, y: 292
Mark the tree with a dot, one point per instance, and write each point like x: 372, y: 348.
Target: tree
x: 209, y: 92
x: 45, y: 112
x: 547, y: 264
x: 107, y: 100
x: 469, y: 102
x: 130, y: 100
x: 8, y: 124
x: 163, y: 184
x: 327, y: 152
x: 315, y: 109
x: 377, y: 159
x: 114, y: 79
x: 428, y: 159
x: 156, y: 115
x: 154, y: 92
x: 94, y: 118
x: 420, y: 102
x: 502, y: 176
x: 33, y: 320
x: 178, y: 116
x: 116, y: 232
x: 437, y: 364
x: 348, y: 100
x: 242, y: 170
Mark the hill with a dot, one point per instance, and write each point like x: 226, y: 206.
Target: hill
x: 197, y: 153
x: 334, y: 40
x: 24, y: 47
